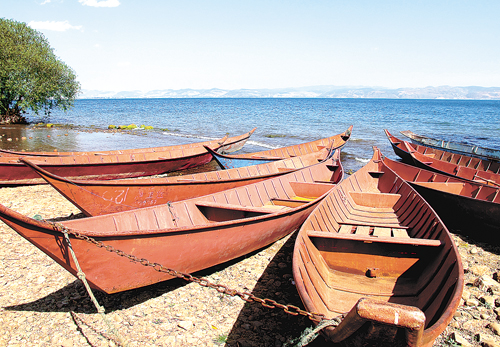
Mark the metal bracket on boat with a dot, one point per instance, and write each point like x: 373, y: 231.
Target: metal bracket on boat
x: 246, y: 296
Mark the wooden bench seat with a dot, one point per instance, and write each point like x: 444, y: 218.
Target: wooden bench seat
x: 259, y: 209
x: 385, y: 231
x: 375, y: 239
x: 288, y: 202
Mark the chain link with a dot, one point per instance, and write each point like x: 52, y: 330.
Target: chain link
x: 246, y: 296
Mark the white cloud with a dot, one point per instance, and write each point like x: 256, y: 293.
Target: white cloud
x: 45, y: 2
x: 100, y: 3
x: 53, y: 25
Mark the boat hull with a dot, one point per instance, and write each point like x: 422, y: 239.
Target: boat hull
x: 245, y: 159
x: 183, y: 251
x: 15, y: 173
x: 104, y: 197
x: 479, y: 220
x: 187, y: 235
x: 455, y: 147
x: 224, y: 145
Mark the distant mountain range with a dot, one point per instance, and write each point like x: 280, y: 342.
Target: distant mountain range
x: 442, y: 92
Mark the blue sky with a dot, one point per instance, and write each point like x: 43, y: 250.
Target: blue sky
x: 117, y: 45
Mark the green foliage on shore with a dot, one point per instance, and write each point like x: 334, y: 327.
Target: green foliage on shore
x: 31, y: 76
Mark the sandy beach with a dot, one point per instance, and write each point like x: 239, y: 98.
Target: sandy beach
x: 43, y: 305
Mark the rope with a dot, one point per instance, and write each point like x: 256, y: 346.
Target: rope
x: 81, y: 276
x: 310, y: 334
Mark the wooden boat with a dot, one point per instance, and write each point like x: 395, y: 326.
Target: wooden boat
x: 479, y: 170
x: 247, y: 159
x: 466, y: 207
x: 375, y: 256
x: 105, y: 167
x: 187, y: 235
x: 453, y: 146
x: 103, y: 197
x: 223, y: 145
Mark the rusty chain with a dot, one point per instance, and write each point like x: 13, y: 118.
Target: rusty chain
x: 246, y: 296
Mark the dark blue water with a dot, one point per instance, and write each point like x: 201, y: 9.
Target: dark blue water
x: 279, y: 122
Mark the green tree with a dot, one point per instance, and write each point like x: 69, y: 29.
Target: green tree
x: 31, y: 76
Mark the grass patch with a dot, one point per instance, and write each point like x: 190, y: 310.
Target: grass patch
x: 221, y: 339
x: 271, y: 136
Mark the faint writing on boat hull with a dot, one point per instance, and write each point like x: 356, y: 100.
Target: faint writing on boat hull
x: 119, y: 197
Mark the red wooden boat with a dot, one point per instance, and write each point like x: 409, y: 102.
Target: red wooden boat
x: 336, y: 141
x: 375, y: 255
x: 453, y: 146
x: 471, y: 168
x: 223, y: 145
x: 187, y: 235
x: 466, y: 207
x: 105, y: 167
x: 103, y: 197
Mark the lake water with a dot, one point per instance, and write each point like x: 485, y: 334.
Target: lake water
x: 279, y: 122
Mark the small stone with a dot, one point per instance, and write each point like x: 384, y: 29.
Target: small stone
x: 460, y: 339
x: 66, y: 343
x: 244, y: 343
x: 246, y: 326
x: 191, y: 341
x: 495, y: 327
x: 488, y: 300
x: 473, y: 250
x: 472, y: 302
x: 489, y: 342
x: 480, y: 270
x: 484, y: 282
x: 257, y: 324
x: 185, y: 324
